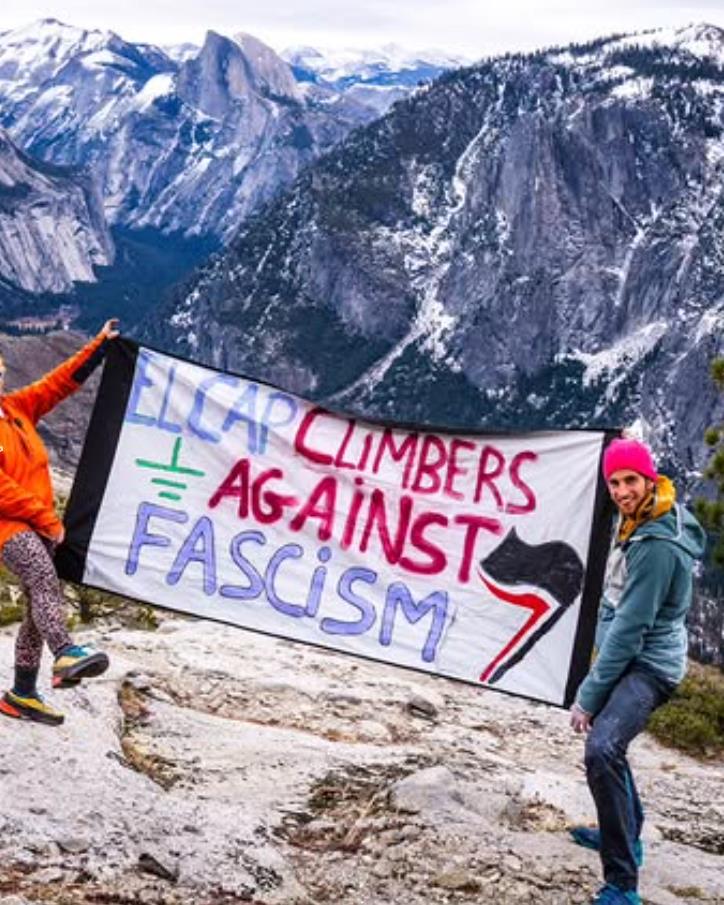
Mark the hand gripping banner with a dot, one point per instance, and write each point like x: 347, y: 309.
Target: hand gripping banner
x: 477, y: 556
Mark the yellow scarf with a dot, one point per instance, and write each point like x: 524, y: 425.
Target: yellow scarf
x: 656, y: 503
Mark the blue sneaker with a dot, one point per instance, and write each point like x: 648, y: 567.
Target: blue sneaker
x: 591, y: 838
x: 612, y: 895
x: 75, y: 662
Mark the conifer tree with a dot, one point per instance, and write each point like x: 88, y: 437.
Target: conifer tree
x: 711, y: 511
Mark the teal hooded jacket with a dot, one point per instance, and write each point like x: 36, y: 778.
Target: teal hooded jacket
x: 647, y: 593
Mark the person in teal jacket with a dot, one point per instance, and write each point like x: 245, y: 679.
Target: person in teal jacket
x: 641, y: 643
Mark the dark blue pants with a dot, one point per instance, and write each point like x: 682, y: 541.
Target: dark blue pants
x: 620, y: 815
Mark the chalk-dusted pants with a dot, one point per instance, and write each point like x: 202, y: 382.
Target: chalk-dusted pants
x: 620, y: 814
x: 29, y: 557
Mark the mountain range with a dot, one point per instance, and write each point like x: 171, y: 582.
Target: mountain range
x: 181, y: 146
x: 180, y: 143
x: 185, y: 139
x: 375, y: 78
x: 533, y: 241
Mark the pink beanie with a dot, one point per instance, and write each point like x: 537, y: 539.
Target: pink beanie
x: 630, y: 454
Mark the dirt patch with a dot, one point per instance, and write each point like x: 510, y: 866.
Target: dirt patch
x: 346, y: 806
x: 690, y: 892
x: 127, y: 889
x: 707, y: 838
x: 136, y: 754
x: 337, y: 717
x: 534, y: 817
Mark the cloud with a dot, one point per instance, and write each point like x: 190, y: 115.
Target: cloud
x: 469, y: 26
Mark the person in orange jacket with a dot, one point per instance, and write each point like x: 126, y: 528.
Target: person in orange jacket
x: 30, y: 530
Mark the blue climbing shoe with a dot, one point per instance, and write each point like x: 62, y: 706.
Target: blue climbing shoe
x: 612, y: 895
x: 589, y: 837
x: 77, y: 662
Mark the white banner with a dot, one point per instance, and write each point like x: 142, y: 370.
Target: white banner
x: 462, y: 555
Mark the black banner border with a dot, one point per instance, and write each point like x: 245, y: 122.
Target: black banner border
x: 598, y: 547
x: 96, y: 459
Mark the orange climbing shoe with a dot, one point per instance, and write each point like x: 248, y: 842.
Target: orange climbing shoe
x: 32, y: 708
x: 60, y: 682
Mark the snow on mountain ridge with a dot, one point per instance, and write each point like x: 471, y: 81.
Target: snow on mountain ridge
x: 158, y: 86
x: 701, y: 40
x: 334, y: 64
x: 375, y: 78
x: 40, y: 49
x: 621, y: 356
x: 180, y: 52
x: 48, y: 30
x: 611, y: 62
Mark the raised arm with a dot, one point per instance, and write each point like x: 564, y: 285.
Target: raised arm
x: 40, y: 397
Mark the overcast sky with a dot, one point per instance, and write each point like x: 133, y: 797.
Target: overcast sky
x: 475, y: 28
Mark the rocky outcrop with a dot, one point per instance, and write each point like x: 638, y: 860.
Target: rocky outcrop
x: 52, y: 229
x: 226, y: 72
x: 214, y: 765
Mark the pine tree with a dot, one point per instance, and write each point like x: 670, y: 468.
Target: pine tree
x: 711, y: 511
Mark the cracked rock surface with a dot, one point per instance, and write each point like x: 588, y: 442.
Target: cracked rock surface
x: 212, y: 766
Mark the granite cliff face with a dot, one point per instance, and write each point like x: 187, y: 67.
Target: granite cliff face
x: 52, y: 228
x: 533, y: 241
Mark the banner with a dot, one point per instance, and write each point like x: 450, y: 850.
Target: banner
x: 477, y: 557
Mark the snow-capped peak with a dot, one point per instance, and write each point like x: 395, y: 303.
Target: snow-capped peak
x: 334, y: 64
x: 49, y: 37
x: 37, y: 52
x: 703, y: 40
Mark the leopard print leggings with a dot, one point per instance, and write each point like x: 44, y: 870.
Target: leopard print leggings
x: 29, y: 556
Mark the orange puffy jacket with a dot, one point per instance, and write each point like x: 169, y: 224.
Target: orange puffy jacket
x: 26, y: 492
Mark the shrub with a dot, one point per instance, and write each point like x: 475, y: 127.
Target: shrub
x: 693, y: 720
x: 10, y: 612
x: 11, y: 606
